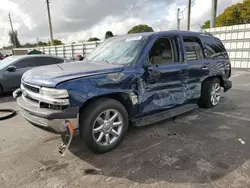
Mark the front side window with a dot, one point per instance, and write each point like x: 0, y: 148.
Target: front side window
x: 120, y: 50
x: 162, y: 52
x: 27, y: 62
x: 193, y: 49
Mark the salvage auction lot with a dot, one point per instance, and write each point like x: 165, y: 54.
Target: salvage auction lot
x: 198, y: 149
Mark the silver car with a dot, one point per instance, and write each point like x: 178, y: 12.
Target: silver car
x: 13, y: 67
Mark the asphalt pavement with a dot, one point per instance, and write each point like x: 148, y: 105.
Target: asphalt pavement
x: 202, y: 148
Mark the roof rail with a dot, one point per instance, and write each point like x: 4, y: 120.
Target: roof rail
x: 206, y: 34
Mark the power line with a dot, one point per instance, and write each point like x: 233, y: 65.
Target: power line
x: 178, y: 19
x: 192, y: 3
x: 189, y: 14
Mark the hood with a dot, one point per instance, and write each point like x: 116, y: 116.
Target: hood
x: 52, y: 75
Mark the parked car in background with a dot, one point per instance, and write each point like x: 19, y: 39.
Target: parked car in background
x: 13, y: 67
x: 1, y: 56
x: 141, y: 78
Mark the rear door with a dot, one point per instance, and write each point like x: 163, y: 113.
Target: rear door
x: 43, y: 61
x: 12, y: 80
x: 199, y: 67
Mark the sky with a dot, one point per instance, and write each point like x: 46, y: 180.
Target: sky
x: 77, y: 20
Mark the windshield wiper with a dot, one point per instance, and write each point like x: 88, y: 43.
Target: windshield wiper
x: 107, y: 61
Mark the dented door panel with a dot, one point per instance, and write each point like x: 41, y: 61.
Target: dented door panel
x: 167, y: 92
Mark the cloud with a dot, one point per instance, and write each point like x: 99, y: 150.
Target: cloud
x: 81, y: 19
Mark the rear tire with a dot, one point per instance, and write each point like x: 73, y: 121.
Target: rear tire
x: 210, y: 93
x: 103, y: 124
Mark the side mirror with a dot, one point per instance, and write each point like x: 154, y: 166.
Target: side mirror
x: 11, y: 69
x: 147, y: 64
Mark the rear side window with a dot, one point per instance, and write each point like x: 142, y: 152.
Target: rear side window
x: 193, y: 49
x: 49, y: 61
x: 27, y: 62
x: 214, y: 48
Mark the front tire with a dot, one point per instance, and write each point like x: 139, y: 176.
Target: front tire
x: 210, y: 93
x: 103, y: 124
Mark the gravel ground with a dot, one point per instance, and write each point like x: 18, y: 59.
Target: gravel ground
x: 202, y: 148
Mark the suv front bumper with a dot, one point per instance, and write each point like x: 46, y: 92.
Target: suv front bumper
x: 54, y: 119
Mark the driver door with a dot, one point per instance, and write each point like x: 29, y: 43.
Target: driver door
x: 12, y: 79
x: 164, y: 81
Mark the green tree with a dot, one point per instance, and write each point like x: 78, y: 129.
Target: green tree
x: 14, y: 39
x: 206, y: 25
x: 56, y: 42
x: 40, y: 43
x: 108, y: 34
x: 233, y: 15
x: 29, y: 45
x: 140, y: 29
x: 93, y: 39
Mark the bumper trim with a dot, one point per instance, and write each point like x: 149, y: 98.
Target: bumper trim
x: 227, y: 85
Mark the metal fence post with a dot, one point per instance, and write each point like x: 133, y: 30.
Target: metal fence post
x: 83, y: 49
x: 72, y: 50
x: 56, y: 50
x: 63, y: 49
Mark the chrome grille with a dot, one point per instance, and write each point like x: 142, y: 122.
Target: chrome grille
x: 31, y: 88
x: 31, y: 94
x: 31, y: 99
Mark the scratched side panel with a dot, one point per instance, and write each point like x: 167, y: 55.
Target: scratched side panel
x: 82, y: 89
x: 169, y: 91
x: 197, y: 75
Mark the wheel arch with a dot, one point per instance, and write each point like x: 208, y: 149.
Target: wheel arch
x: 215, y: 76
x: 128, y: 100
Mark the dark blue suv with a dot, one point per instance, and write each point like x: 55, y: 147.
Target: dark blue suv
x: 133, y: 79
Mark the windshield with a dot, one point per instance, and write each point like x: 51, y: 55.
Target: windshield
x: 120, y: 50
x: 7, y: 61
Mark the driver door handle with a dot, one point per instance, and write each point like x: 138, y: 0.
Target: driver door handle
x: 204, y: 68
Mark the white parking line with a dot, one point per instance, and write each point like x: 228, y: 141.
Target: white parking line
x: 232, y: 116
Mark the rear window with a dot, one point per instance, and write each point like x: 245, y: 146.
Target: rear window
x: 49, y: 61
x: 214, y: 48
x: 193, y: 49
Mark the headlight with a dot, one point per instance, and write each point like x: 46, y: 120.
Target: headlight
x: 54, y: 93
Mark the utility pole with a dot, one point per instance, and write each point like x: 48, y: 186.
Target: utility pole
x: 189, y: 15
x: 37, y: 41
x: 213, y: 14
x: 50, y: 24
x: 178, y: 19
x: 12, y: 30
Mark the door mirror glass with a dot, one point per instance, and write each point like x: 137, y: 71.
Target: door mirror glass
x: 146, y: 64
x: 11, y: 69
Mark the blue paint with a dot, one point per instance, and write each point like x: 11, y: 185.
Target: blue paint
x: 165, y: 87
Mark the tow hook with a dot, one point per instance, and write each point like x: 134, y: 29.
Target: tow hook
x: 17, y: 93
x: 68, y: 137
